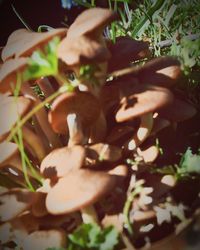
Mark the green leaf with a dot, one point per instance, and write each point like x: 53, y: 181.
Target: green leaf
x: 92, y: 237
x: 189, y: 164
x: 43, y: 63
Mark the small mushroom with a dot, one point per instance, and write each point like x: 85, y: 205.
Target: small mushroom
x: 45, y: 239
x: 82, y: 188
x: 72, y: 112
x: 23, y: 42
x: 14, y: 202
x: 141, y: 100
x: 9, y: 71
x: 62, y: 160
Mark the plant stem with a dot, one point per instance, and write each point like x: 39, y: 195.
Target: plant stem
x: 127, y: 208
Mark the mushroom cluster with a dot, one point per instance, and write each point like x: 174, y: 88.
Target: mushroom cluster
x: 81, y: 145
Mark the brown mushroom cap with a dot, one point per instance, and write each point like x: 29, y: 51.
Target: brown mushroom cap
x: 142, y: 99
x: 14, y: 202
x: 125, y: 51
x: 178, y: 111
x: 45, y: 239
x: 162, y: 71
x: 61, y: 161
x: 84, y: 104
x: 77, y: 190
x: 82, y: 51
x: 12, y: 109
x: 23, y: 42
x: 89, y: 21
x: 104, y: 152
x: 8, y: 73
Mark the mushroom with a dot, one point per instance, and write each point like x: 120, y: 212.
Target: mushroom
x: 163, y: 71
x: 82, y: 189
x: 126, y: 50
x: 141, y: 100
x: 72, y: 112
x: 9, y: 71
x: 23, y: 42
x: 85, y: 44
x: 62, y: 160
x: 14, y: 202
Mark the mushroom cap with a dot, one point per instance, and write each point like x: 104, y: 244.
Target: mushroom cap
x: 12, y: 108
x: 142, y: 99
x: 162, y: 71
x: 78, y: 189
x: 84, y: 104
x: 23, y: 42
x: 90, y: 21
x: 45, y: 239
x: 8, y: 150
x: 62, y: 160
x: 82, y: 51
x: 178, y: 111
x: 14, y: 202
x: 126, y: 50
x: 104, y: 152
x: 8, y: 73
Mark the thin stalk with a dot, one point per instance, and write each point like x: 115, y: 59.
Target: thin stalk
x: 127, y: 208
x: 21, y: 18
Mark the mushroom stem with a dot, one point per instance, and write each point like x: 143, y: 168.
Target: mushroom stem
x: 143, y: 131
x: 76, y: 136
x: 34, y: 142
x: 89, y: 215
